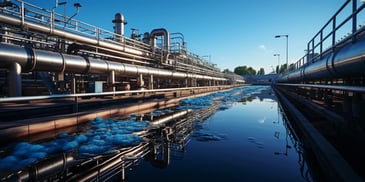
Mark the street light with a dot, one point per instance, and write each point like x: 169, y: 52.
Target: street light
x: 287, y: 37
x: 278, y: 55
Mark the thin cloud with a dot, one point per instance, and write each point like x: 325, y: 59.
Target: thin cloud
x: 265, y: 49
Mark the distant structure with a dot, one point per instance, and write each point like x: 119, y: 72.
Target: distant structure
x: 267, y: 79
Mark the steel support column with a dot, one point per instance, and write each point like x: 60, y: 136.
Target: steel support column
x: 15, y: 80
x: 111, y: 81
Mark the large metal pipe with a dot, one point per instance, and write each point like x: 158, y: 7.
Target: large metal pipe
x: 347, y: 61
x: 40, y: 60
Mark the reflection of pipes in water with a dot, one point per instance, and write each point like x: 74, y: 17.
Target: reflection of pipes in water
x: 45, y: 169
x: 104, y: 166
x: 159, y: 155
x: 165, y: 119
x: 298, y: 146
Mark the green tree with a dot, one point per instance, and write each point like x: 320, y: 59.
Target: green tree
x: 227, y: 71
x: 261, y: 71
x: 282, y: 68
x: 244, y: 70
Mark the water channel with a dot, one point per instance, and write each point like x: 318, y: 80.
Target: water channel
x: 247, y: 140
x: 239, y: 135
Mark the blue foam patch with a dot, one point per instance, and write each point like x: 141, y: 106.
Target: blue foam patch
x: 125, y: 140
x: 38, y: 155
x: 8, y: 163
x: 93, y: 149
x: 81, y: 138
x: 70, y: 145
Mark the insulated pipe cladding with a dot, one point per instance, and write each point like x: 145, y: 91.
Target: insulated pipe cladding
x: 348, y: 61
x: 40, y: 60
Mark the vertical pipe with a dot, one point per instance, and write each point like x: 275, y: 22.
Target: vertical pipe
x: 15, y: 80
x: 140, y: 80
x: 111, y: 80
x: 5, y: 37
x: 73, y: 84
x: 151, y: 82
x: 119, y: 26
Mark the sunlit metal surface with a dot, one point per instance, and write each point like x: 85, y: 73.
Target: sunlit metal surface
x: 73, y: 54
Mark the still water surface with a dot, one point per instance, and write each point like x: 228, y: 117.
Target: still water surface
x: 247, y: 141
x: 236, y: 135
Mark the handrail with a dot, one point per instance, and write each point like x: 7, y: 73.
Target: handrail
x: 40, y: 15
x: 53, y: 21
x: 315, y: 47
x: 360, y: 89
x: 59, y: 96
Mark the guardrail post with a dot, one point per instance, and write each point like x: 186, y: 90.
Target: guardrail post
x: 51, y: 22
x: 22, y: 14
x: 333, y: 32
x: 76, y: 105
x: 354, y: 19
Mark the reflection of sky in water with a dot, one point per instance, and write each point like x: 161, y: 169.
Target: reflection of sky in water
x: 243, y: 142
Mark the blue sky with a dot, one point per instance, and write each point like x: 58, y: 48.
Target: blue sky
x: 233, y: 32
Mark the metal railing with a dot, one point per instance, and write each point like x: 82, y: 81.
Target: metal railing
x: 334, y: 33
x: 359, y: 89
x: 29, y: 12
x: 76, y: 96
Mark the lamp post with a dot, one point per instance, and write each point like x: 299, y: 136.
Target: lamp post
x: 278, y: 70
x: 287, y: 37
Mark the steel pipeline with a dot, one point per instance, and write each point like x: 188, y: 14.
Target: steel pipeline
x: 348, y: 61
x: 39, y: 60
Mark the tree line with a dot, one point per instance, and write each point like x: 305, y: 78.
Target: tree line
x: 245, y: 70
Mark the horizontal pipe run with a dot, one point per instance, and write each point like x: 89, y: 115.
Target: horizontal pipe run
x: 60, y: 96
x: 334, y: 87
x: 344, y: 62
x: 29, y: 127
x: 40, y: 60
x: 52, y: 31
